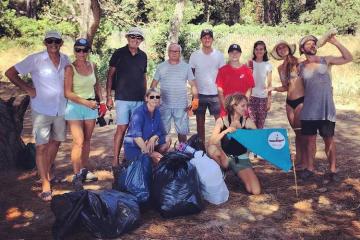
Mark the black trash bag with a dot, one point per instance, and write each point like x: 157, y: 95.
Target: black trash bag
x: 195, y: 142
x: 67, y: 208
x: 105, y: 215
x: 110, y: 214
x: 27, y: 159
x: 176, y: 186
x: 135, y: 178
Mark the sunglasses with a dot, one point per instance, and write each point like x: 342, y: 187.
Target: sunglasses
x: 138, y: 37
x: 152, y: 97
x: 53, y: 40
x: 84, y: 50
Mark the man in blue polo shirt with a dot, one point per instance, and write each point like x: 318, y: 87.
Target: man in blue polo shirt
x: 127, y: 76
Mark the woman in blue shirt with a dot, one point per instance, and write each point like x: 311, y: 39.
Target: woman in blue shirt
x: 146, y: 133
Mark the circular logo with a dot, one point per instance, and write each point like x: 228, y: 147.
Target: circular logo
x: 276, y: 140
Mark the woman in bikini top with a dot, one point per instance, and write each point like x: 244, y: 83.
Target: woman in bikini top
x: 294, y: 86
x: 228, y: 153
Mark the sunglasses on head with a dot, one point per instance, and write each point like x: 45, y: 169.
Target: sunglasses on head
x: 152, y: 97
x: 138, y: 37
x: 53, y: 40
x: 84, y: 50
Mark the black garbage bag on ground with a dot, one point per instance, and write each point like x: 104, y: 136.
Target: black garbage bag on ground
x: 27, y: 159
x: 105, y: 215
x: 135, y: 178
x: 195, y: 142
x: 176, y: 187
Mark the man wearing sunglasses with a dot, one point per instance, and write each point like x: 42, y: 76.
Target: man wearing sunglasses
x: 47, y: 102
x: 127, y: 76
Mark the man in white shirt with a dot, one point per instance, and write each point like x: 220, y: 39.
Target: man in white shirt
x: 205, y: 64
x: 47, y: 102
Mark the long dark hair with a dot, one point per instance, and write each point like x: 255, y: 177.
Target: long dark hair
x: 265, y: 57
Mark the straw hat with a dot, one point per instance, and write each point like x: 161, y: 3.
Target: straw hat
x: 274, y: 53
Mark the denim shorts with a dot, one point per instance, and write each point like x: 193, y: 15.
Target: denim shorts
x: 75, y: 111
x: 208, y: 101
x: 46, y: 127
x: 180, y: 118
x: 238, y: 163
x: 124, y: 110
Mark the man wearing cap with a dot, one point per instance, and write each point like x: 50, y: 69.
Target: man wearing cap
x: 205, y: 64
x: 318, y: 113
x: 47, y: 102
x: 173, y: 76
x: 234, y: 77
x: 127, y: 76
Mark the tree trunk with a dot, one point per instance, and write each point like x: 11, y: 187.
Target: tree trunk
x: 88, y: 18
x: 11, y: 122
x: 175, y: 23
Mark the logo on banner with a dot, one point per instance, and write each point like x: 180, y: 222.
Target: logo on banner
x: 276, y: 140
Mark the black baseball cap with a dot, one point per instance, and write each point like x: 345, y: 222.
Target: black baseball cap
x: 234, y: 47
x: 205, y: 32
x: 82, y: 42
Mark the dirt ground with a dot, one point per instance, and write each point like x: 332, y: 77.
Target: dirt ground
x: 322, y: 210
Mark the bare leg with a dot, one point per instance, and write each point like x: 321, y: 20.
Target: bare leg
x: 310, y: 150
x: 77, y: 132
x: 42, y: 163
x: 330, y: 150
x: 88, y: 130
x: 200, y: 126
x: 52, y: 149
x: 250, y: 180
x: 216, y: 153
x: 118, y: 141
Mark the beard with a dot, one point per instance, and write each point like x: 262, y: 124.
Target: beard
x: 311, y: 52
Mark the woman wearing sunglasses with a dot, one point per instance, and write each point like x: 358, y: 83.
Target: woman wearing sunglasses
x: 146, y: 133
x: 81, y: 87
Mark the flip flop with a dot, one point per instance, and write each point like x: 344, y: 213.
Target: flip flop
x: 46, y: 196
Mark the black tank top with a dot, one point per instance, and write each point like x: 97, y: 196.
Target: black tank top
x: 231, y: 146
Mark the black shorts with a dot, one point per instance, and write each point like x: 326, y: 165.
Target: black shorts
x: 208, y: 101
x: 310, y: 127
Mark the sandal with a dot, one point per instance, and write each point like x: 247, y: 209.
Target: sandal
x: 46, y: 196
x: 306, y: 174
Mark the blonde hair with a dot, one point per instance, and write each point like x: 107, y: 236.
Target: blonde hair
x: 232, y: 100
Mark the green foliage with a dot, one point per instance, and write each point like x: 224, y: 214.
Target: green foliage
x: 247, y: 12
x: 342, y: 14
x: 291, y: 10
x: 102, y: 63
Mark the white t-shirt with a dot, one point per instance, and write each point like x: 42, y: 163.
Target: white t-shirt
x: 260, y: 72
x: 48, y: 82
x: 206, y: 68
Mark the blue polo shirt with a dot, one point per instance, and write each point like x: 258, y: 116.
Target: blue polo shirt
x: 144, y: 126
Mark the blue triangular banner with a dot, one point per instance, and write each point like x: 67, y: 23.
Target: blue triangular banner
x: 272, y: 144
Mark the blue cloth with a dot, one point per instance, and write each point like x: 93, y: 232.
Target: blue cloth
x: 75, y: 111
x: 272, y: 144
x: 143, y: 125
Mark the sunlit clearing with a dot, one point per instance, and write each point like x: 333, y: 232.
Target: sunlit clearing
x: 263, y: 208
x: 304, y: 205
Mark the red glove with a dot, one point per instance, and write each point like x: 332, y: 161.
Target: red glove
x: 102, y: 109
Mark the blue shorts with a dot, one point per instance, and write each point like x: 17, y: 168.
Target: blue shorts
x: 124, y: 110
x: 180, y: 117
x: 75, y: 111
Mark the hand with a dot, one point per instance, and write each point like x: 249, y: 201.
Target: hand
x: 150, y: 144
x: 156, y: 157
x: 332, y: 39
x: 91, y: 104
x: 195, y: 104
x: 31, y: 92
x: 102, y: 110
x: 269, y: 89
x: 109, y: 103
x: 268, y: 106
x: 231, y: 129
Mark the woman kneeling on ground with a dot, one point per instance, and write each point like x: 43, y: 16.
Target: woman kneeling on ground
x: 81, y: 86
x: 228, y: 153
x: 146, y: 133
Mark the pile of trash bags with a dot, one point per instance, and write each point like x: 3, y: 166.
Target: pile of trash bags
x: 105, y: 215
x: 176, y: 186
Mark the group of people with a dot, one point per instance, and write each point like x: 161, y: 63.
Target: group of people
x: 237, y: 95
